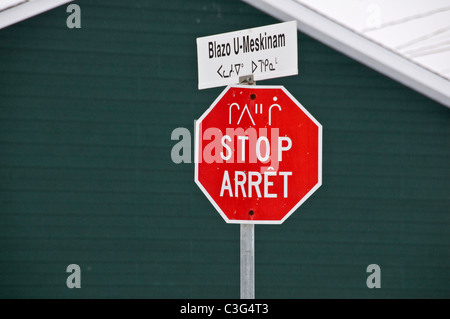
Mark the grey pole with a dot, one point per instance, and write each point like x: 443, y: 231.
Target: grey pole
x: 247, y: 240
x: 247, y: 261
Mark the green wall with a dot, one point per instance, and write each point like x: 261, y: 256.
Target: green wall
x: 86, y: 176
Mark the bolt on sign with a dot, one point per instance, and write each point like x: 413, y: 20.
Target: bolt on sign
x: 258, y: 154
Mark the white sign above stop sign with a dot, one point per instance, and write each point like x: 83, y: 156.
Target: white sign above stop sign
x: 264, y: 52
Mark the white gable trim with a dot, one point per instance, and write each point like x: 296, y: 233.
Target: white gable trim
x: 27, y: 10
x: 359, y: 48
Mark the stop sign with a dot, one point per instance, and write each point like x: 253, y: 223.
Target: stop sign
x: 258, y: 154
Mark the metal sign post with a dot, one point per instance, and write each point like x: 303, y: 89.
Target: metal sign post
x: 247, y: 240
x: 247, y: 261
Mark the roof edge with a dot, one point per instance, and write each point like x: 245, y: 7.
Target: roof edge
x: 358, y: 48
x: 27, y: 10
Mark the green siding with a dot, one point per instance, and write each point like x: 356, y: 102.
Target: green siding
x: 86, y: 176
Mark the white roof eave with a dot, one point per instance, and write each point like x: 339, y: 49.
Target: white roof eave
x: 27, y: 10
x: 359, y: 48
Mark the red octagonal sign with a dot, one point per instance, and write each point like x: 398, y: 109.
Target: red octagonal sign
x: 258, y: 154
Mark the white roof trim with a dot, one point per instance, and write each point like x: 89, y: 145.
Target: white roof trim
x: 27, y: 9
x: 359, y: 48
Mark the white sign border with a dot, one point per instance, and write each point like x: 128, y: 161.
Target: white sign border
x: 196, y: 149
